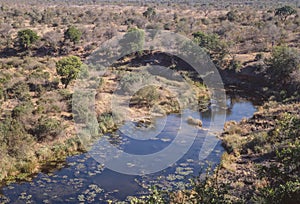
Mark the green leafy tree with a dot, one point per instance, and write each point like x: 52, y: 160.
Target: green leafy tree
x: 73, y: 34
x: 284, y: 12
x: 68, y: 68
x: 26, y: 38
x: 212, y: 44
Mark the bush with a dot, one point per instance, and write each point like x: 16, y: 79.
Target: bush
x: 283, y: 171
x: 146, y: 96
x: 131, y: 81
x: 133, y: 42
x: 149, y: 13
x: 231, y: 16
x: 68, y: 68
x: 212, y: 44
x: 14, y: 138
x: 47, y: 129
x: 106, y: 122
x: 22, y: 110
x: 283, y: 62
x: 27, y: 37
x: 284, y: 12
x: 73, y: 34
x: 259, y: 56
x: 19, y: 90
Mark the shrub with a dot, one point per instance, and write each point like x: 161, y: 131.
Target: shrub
x: 73, y: 34
x: 133, y: 42
x: 259, y: 56
x: 131, y: 81
x: 208, y: 189
x: 283, y: 62
x: 149, y: 13
x: 14, y: 137
x: 212, y: 44
x: 146, y: 96
x: 47, y: 129
x: 19, y: 90
x: 27, y: 37
x: 231, y: 16
x: 68, y: 68
x: 106, y: 122
x: 284, y: 12
x: 22, y: 110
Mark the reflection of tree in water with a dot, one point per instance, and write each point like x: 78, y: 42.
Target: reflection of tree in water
x: 215, y: 110
x: 231, y: 102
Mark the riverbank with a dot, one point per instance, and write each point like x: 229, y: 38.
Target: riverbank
x: 60, y: 139
x: 260, y: 165
x: 259, y: 147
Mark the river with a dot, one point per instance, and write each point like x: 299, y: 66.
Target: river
x: 82, y: 179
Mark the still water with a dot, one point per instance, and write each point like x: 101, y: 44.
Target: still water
x: 82, y: 179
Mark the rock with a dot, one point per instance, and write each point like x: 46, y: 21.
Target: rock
x: 195, y: 122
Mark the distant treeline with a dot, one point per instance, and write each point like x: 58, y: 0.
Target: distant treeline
x: 216, y: 3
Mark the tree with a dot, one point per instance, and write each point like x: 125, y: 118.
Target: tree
x: 68, y: 68
x: 283, y: 62
x: 27, y: 37
x: 73, y: 34
x: 133, y: 41
x: 212, y: 44
x: 231, y: 16
x: 149, y: 13
x: 285, y: 12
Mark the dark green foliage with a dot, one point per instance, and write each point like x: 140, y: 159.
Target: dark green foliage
x: 14, y: 140
x: 26, y: 38
x: 132, y: 81
x: 73, y: 34
x: 106, y: 122
x: 231, y: 16
x: 212, y: 44
x: 81, y: 107
x: 68, y: 68
x: 208, y: 189
x: 283, y: 62
x: 47, y: 129
x: 283, y: 176
x: 19, y: 90
x: 22, y: 110
x: 284, y: 12
x: 38, y: 79
x: 259, y: 56
x: 287, y: 128
x: 283, y: 173
x: 149, y: 13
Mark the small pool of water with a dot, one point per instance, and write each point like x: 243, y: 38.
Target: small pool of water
x: 83, y: 179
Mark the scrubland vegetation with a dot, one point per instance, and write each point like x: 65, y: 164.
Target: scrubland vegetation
x: 255, y: 46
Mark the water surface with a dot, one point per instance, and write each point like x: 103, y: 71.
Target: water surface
x: 82, y: 179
